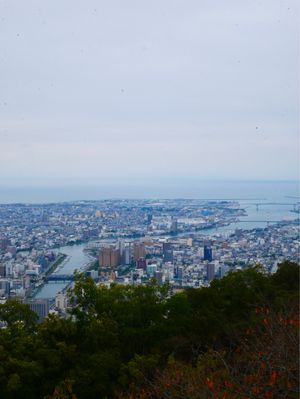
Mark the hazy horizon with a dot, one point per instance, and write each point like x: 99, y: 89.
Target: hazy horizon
x: 278, y: 191
x: 100, y: 181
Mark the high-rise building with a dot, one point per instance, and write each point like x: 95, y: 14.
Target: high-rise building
x: 207, y: 253
x: 121, y: 246
x: 2, y: 270
x: 115, y: 258
x: 109, y: 257
x: 167, y: 252
x: 139, y: 250
x: 210, y: 271
x: 174, y: 226
x: 39, y: 306
x: 104, y: 257
x: 4, y: 287
x: 180, y: 273
x: 141, y: 264
x: 158, y: 275
x: 126, y: 256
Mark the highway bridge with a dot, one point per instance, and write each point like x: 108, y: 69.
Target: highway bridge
x: 61, y: 277
x: 257, y: 221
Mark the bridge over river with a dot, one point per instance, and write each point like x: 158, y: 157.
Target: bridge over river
x: 60, y: 277
x: 257, y: 221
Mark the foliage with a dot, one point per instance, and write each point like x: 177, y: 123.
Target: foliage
x: 235, y: 339
x: 18, y: 316
x: 287, y: 276
x: 263, y: 366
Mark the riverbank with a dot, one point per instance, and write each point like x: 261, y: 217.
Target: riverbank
x: 75, y: 258
x: 43, y: 278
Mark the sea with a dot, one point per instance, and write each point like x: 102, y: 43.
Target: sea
x: 271, y: 191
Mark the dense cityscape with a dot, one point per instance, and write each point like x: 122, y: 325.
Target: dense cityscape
x: 149, y: 199
x: 178, y: 242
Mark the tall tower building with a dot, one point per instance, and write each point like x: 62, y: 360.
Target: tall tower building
x: 139, y: 250
x: 126, y: 256
x: 167, y: 252
x: 115, y: 259
x: 207, y: 253
x: 158, y: 275
x: 180, y: 273
x: 121, y: 246
x: 39, y: 306
x: 109, y: 257
x: 174, y: 226
x: 210, y: 271
x: 149, y: 218
x: 104, y: 257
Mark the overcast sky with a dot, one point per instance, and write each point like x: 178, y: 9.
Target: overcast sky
x: 139, y: 89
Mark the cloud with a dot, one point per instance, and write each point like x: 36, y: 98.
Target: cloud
x: 84, y: 84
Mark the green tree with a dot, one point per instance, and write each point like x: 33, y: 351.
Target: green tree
x: 17, y: 315
x: 287, y: 276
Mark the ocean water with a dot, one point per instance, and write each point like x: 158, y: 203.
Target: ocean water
x: 272, y: 191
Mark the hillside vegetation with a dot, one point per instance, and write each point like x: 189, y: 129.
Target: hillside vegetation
x: 237, y: 338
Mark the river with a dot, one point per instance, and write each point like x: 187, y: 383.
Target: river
x: 76, y: 259
x: 266, y: 213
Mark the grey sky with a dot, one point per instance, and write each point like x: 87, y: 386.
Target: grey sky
x: 149, y: 88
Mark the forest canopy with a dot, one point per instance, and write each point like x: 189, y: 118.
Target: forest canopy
x: 237, y: 338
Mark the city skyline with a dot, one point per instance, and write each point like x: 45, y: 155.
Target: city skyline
x: 142, y: 91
